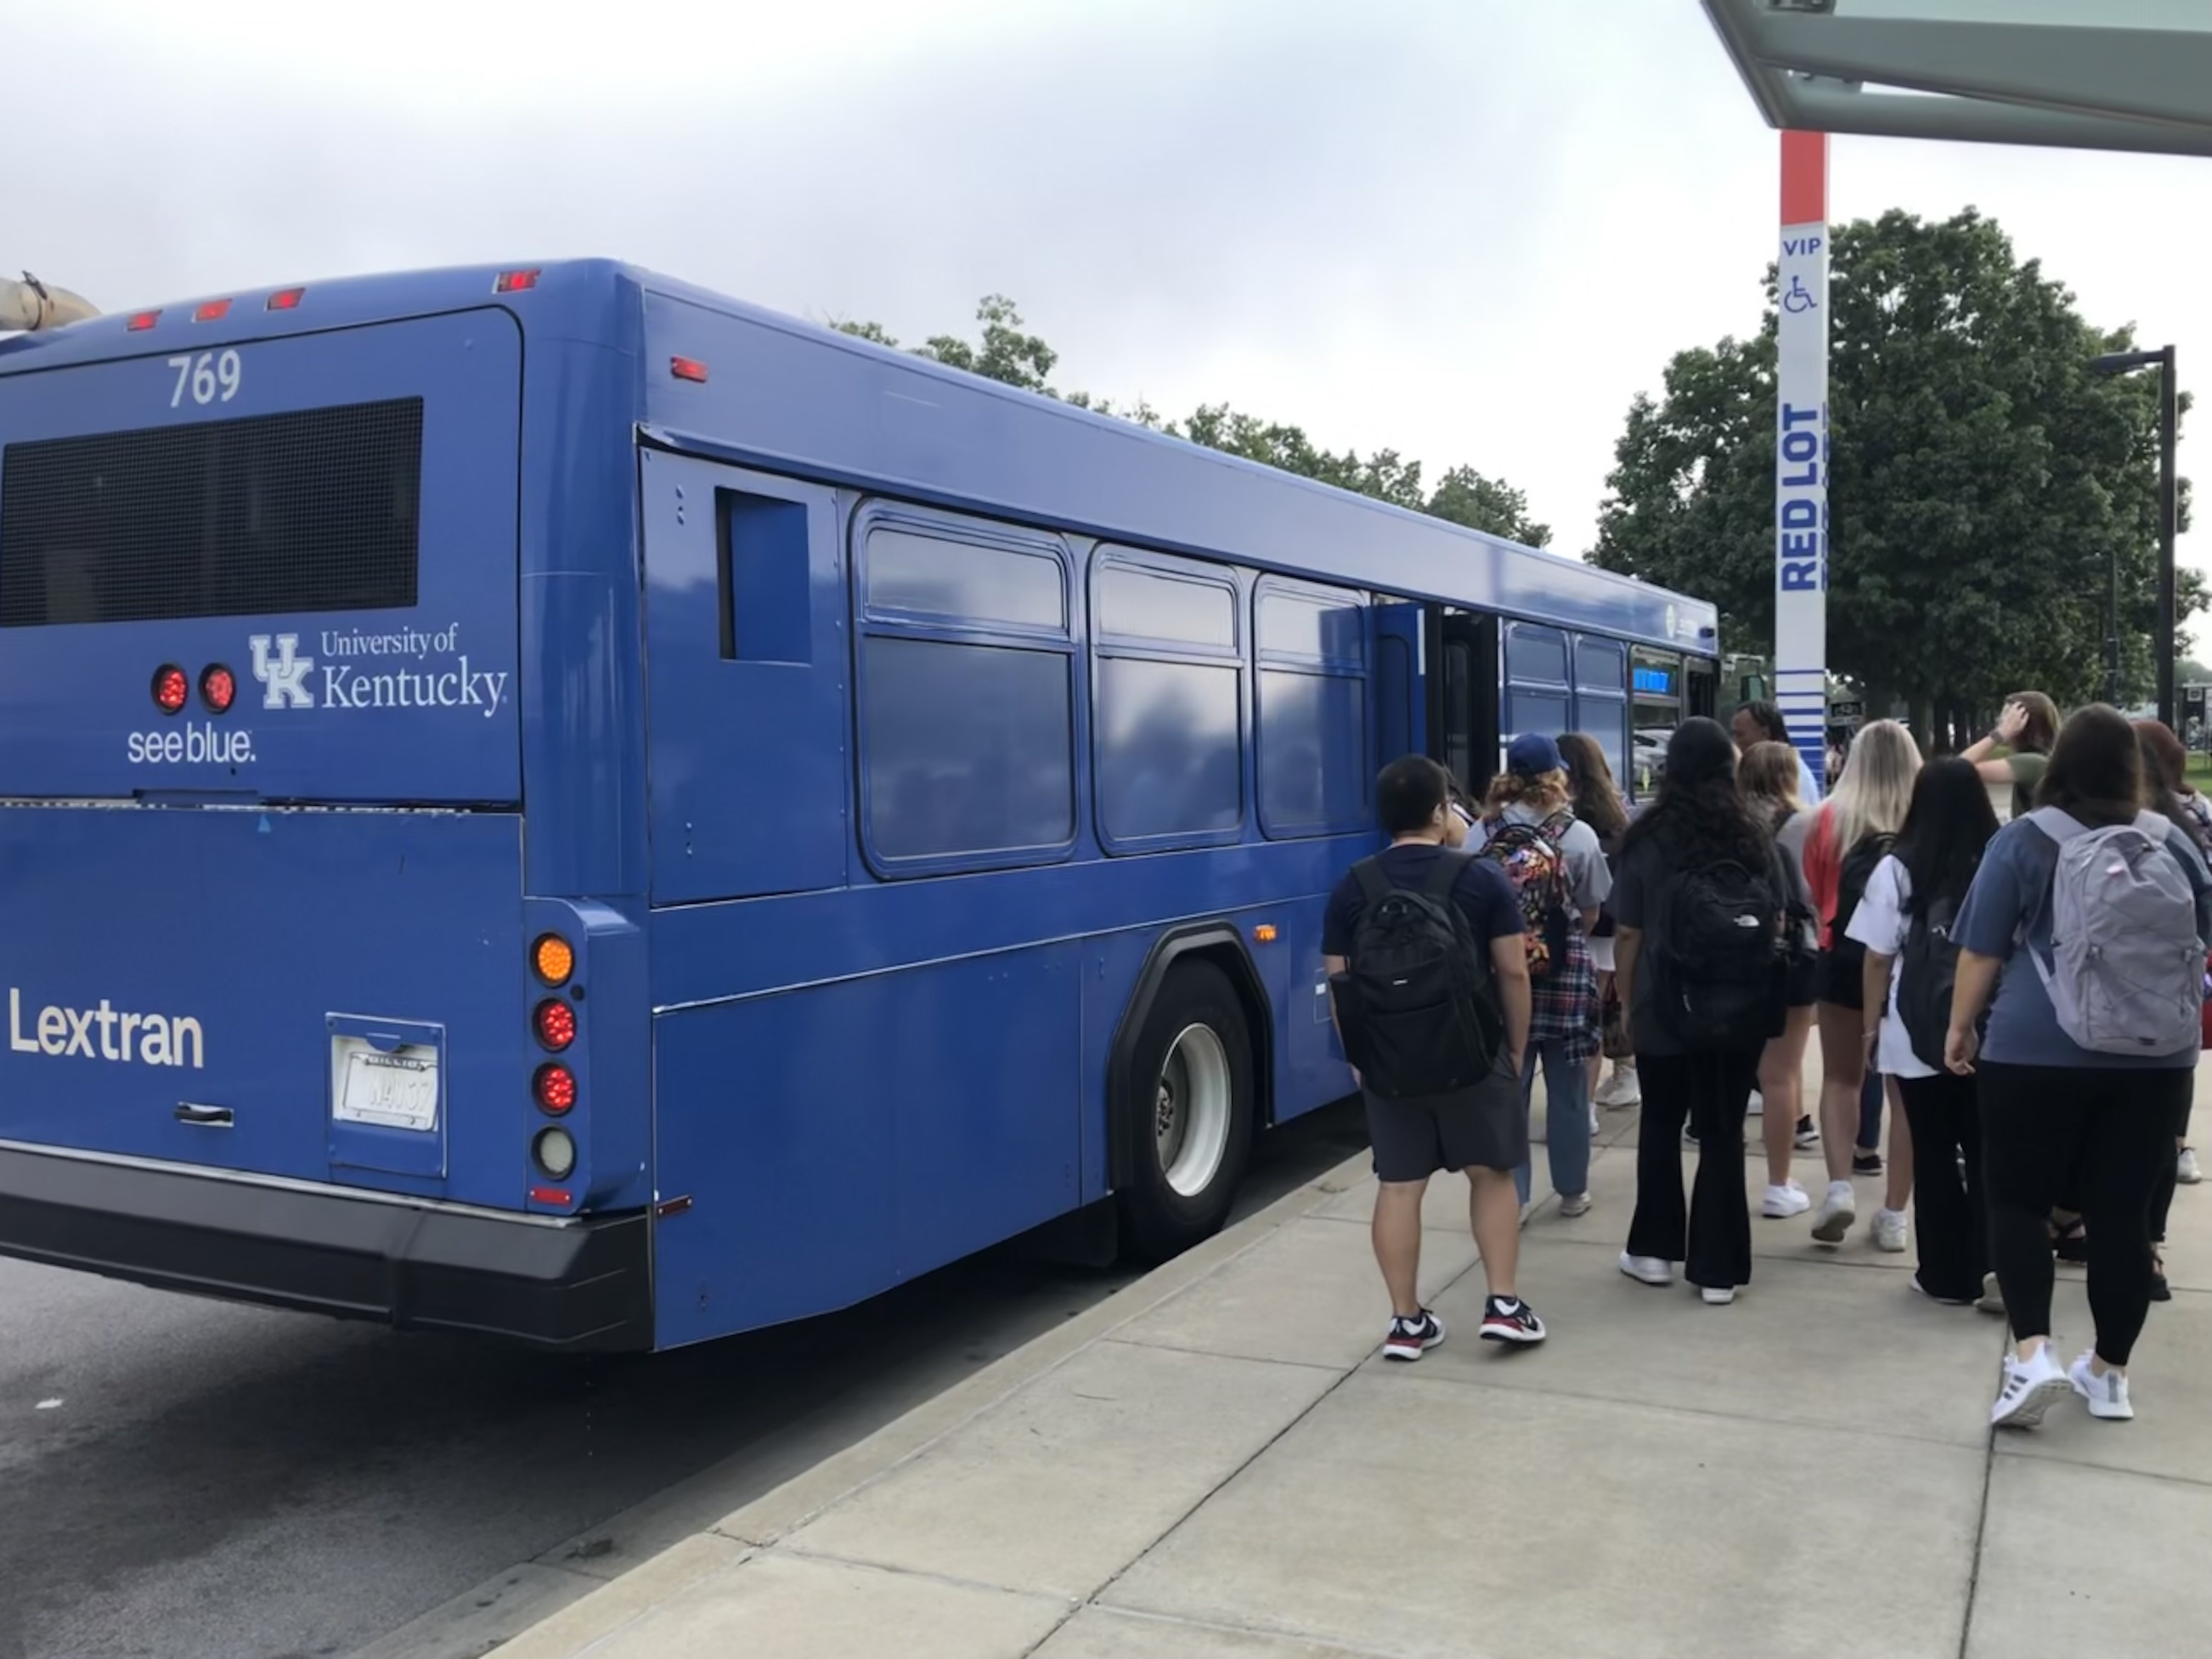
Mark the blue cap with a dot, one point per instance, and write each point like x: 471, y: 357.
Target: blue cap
x: 1532, y: 755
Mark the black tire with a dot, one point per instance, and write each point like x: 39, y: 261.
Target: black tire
x: 1159, y: 1221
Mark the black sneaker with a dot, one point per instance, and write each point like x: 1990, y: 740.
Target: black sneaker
x: 1868, y: 1164
x: 1513, y: 1322
x: 1809, y: 1133
x: 1409, y: 1339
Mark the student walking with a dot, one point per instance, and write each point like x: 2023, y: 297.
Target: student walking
x: 1559, y: 872
x: 1850, y: 835
x: 1429, y: 983
x: 2096, y: 912
x: 1597, y: 803
x: 1904, y: 920
x: 1702, y: 901
x: 1767, y: 776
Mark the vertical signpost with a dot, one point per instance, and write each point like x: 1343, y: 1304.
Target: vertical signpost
x: 1800, y: 451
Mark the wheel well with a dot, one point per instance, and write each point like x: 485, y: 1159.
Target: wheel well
x: 1221, y: 945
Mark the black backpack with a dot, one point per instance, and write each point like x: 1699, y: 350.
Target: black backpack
x: 1415, y: 1003
x: 1717, y: 959
x: 1927, y: 968
x: 1848, y: 954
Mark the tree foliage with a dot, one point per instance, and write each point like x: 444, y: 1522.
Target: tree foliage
x: 1981, y: 480
x: 1006, y: 353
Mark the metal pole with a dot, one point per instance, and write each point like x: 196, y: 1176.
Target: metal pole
x: 2112, y: 627
x: 2169, y: 508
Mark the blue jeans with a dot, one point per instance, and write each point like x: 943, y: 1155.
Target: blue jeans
x: 1566, y: 1117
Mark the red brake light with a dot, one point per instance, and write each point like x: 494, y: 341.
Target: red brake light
x: 514, y: 282
x: 285, y: 299
x: 218, y: 686
x: 213, y: 310
x: 688, y: 369
x: 171, y: 688
x: 143, y: 321
x: 556, y: 1023
x: 555, y: 1087
x: 548, y: 1195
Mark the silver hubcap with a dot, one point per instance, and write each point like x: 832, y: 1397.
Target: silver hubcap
x: 1190, y: 1113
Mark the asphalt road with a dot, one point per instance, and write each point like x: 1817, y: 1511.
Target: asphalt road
x: 187, y: 1479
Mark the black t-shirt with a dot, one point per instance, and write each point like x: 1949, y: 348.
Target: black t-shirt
x: 1643, y: 884
x: 1482, y: 892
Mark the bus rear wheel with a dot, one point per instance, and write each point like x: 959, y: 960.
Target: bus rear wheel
x: 1186, y: 1113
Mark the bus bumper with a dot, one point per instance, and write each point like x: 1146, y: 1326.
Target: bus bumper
x: 576, y: 1287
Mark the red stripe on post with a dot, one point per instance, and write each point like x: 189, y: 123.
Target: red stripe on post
x: 1804, y: 177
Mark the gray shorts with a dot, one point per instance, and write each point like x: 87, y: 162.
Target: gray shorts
x: 1483, y: 1127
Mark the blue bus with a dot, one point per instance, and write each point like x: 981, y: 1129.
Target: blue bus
x: 549, y: 803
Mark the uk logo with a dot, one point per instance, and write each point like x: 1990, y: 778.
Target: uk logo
x: 286, y: 676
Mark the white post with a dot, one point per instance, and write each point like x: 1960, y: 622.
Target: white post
x: 1800, y: 454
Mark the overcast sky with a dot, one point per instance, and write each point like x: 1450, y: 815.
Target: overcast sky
x: 1468, y: 229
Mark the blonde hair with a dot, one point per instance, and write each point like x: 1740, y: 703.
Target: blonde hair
x: 1875, y: 791
x: 1545, y: 793
x: 1767, y: 776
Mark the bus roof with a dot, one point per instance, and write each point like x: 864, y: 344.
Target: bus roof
x: 794, y: 396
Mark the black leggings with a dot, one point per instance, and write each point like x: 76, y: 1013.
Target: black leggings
x: 1712, y: 1092
x: 2104, y: 1131
x: 2161, y: 1201
x: 1943, y: 1115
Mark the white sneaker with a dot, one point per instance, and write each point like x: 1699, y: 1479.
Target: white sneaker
x: 2186, y: 1170
x: 1594, y: 1122
x: 2030, y: 1388
x: 1889, y: 1231
x: 1838, y: 1211
x: 1992, y: 1297
x: 2107, y: 1394
x: 1758, y: 1107
x: 1714, y: 1296
x: 1621, y: 1089
x: 1575, y: 1204
x: 1784, y: 1201
x: 1647, y: 1269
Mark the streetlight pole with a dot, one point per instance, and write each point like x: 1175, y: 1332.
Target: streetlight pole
x: 2165, y: 645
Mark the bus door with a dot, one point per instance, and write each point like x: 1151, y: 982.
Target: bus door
x: 1464, y: 701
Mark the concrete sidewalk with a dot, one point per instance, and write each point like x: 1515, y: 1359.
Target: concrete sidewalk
x: 1217, y: 1463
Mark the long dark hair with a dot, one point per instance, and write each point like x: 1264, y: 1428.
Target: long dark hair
x: 1949, y: 822
x: 1698, y: 816
x: 2164, y: 763
x: 2096, y: 770
x: 1597, y: 801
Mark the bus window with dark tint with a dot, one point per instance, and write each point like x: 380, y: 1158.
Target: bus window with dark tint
x: 966, y: 745
x: 1601, y: 699
x: 1168, y: 728
x: 1314, y: 766
x: 317, y: 510
x: 1536, y: 653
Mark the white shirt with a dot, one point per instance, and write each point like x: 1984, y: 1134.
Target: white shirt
x: 1880, y: 923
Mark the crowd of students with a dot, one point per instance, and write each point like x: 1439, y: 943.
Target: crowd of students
x: 2029, y: 1000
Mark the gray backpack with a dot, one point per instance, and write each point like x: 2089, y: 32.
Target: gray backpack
x: 2126, y: 975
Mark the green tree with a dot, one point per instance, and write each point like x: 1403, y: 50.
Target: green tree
x: 1004, y: 353
x: 1981, y: 478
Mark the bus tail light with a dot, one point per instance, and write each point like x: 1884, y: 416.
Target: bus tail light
x: 556, y: 1023
x: 218, y: 687
x: 554, y: 1088
x: 171, y: 689
x: 554, y: 959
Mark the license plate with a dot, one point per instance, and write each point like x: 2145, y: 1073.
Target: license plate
x: 394, y: 1089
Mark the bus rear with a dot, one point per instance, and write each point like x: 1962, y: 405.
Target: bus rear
x: 279, y: 1024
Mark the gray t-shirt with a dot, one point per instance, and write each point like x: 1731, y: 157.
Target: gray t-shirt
x: 1586, y: 866
x: 2008, y: 913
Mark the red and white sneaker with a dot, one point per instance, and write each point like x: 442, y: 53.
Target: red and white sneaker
x: 1507, y: 1319
x: 1409, y: 1339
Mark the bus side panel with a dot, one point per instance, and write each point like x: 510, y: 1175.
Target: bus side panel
x: 837, y: 1140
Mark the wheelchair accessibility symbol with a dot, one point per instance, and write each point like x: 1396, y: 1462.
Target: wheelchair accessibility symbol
x: 1797, y: 300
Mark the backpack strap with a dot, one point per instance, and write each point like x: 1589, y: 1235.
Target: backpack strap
x: 1555, y: 827
x: 1374, y: 885
x: 2062, y: 827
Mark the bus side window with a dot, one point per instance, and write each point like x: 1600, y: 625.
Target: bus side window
x: 1315, y: 778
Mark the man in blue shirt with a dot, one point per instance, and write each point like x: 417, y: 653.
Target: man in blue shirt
x: 1756, y: 723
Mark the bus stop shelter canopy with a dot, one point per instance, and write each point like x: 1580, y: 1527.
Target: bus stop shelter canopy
x: 2116, y: 74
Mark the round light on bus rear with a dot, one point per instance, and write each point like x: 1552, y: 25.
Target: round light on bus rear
x: 218, y: 688
x: 554, y: 1088
x: 556, y: 1023
x: 171, y: 689
x: 553, y: 958
x: 554, y: 1153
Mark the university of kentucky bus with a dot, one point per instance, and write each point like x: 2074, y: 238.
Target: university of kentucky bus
x: 546, y: 802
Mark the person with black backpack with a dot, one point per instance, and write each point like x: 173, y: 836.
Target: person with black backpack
x: 1904, y: 920
x: 1703, y: 900
x: 1851, y: 834
x: 1429, y: 986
